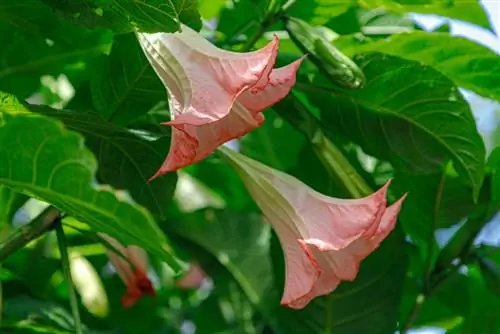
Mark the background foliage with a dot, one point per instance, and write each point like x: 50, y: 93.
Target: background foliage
x: 80, y: 109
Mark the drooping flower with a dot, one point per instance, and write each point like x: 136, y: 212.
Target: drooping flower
x: 193, y: 279
x: 135, y: 276
x: 324, y: 239
x: 214, y: 95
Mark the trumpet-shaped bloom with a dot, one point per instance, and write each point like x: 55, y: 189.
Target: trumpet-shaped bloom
x: 135, y: 278
x: 193, y: 279
x: 324, y: 239
x: 214, y: 95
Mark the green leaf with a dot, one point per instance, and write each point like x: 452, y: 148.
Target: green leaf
x: 318, y: 12
x: 127, y: 86
x: 408, y: 114
x: 240, y: 242
x: 464, y: 10
x: 468, y: 64
x: 434, y: 201
x: 40, y: 44
x: 126, y: 161
x: 53, y: 164
x: 127, y: 15
x: 369, y: 304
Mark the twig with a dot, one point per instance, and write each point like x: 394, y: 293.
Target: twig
x: 63, y: 249
x: 25, y: 234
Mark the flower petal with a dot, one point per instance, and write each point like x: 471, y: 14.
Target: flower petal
x: 281, y: 81
x: 190, y: 144
x: 193, y: 279
x: 344, y: 263
x: 326, y: 222
x: 204, y: 81
x: 301, y: 269
x: 121, y: 266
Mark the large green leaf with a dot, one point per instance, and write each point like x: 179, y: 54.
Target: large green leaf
x: 127, y: 86
x: 370, y: 304
x: 124, y: 16
x: 126, y: 161
x: 409, y: 114
x: 40, y: 44
x: 468, y: 64
x: 464, y: 10
x: 40, y: 157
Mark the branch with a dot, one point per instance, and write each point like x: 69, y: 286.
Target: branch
x: 20, y: 237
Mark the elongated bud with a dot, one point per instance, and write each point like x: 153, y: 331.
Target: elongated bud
x: 336, y: 66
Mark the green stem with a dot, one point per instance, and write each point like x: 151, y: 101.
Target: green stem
x: 63, y: 249
x: 254, y: 38
x: 333, y: 158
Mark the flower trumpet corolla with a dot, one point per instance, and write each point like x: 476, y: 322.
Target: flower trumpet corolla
x: 323, y: 238
x: 214, y: 95
x: 135, y: 278
x: 193, y: 279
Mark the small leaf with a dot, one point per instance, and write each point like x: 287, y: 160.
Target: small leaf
x: 127, y: 86
x: 464, y: 10
x: 53, y: 164
x: 409, y: 114
x: 127, y: 15
x: 468, y: 64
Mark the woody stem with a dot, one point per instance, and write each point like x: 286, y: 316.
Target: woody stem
x: 63, y: 249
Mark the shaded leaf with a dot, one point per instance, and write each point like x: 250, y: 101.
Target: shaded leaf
x: 42, y: 46
x: 124, y: 16
x: 127, y: 86
x: 276, y: 143
x: 416, y: 124
x: 53, y: 164
x: 434, y: 201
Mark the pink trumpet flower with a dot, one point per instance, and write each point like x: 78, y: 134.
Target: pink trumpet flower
x: 214, y: 95
x: 137, y: 282
x: 193, y: 279
x: 324, y: 239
